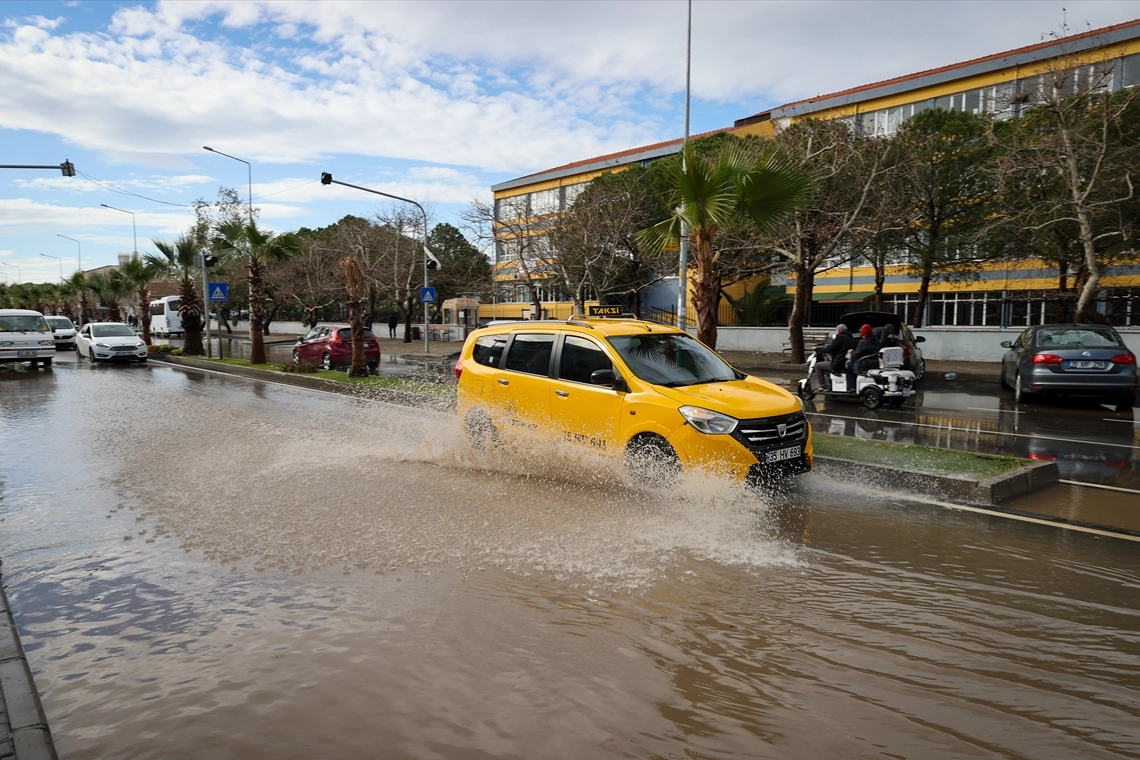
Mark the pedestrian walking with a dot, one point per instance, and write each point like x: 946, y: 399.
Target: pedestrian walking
x: 393, y: 321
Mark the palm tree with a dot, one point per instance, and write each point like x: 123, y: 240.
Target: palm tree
x: 111, y: 288
x: 182, y: 261
x: 260, y: 248
x: 706, y: 194
x: 82, y: 287
x: 139, y: 274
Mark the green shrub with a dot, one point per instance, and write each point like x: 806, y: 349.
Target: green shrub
x: 164, y: 348
x: 305, y: 367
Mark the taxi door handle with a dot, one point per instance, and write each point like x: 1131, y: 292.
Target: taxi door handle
x: 563, y: 394
x: 504, y: 381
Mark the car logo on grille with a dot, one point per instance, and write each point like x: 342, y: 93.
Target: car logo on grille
x: 781, y: 429
x: 1086, y: 353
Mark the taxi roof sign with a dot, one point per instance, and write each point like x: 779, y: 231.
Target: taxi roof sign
x: 603, y: 311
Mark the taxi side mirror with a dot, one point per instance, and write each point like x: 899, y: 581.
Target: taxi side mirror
x: 603, y: 377
x: 610, y: 378
x: 1007, y: 344
x: 919, y: 339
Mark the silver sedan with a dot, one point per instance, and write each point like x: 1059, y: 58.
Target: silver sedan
x: 1074, y: 360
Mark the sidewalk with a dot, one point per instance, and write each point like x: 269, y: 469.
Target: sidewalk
x: 24, y: 732
x: 748, y: 361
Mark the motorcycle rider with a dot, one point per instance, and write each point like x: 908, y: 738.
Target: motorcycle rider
x: 836, y: 349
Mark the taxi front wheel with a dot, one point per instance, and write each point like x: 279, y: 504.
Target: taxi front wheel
x: 652, y: 461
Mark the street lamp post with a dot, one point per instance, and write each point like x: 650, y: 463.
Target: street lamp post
x: 326, y: 179
x: 134, y: 230
x: 19, y: 277
x: 78, y: 249
x: 57, y: 258
x: 249, y: 169
x: 683, y: 275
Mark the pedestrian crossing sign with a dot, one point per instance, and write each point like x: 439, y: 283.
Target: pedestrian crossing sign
x: 219, y: 291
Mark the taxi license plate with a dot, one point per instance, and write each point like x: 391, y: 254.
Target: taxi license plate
x: 1086, y: 365
x: 26, y: 353
x: 782, y: 455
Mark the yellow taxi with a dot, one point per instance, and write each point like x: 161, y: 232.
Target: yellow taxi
x: 627, y: 388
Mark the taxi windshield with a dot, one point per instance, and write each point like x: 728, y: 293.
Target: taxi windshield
x: 671, y: 359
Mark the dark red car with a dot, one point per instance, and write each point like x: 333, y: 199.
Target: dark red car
x: 331, y: 347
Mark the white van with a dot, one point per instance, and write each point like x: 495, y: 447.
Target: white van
x: 25, y: 336
x: 164, y: 317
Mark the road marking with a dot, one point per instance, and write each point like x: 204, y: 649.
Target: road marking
x: 1012, y: 516
x: 1098, y: 485
x: 1117, y: 419
x: 951, y: 428
x: 999, y: 411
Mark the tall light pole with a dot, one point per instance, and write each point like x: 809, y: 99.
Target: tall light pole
x: 683, y: 280
x: 57, y: 258
x: 134, y: 229
x: 78, y: 247
x: 249, y: 169
x: 19, y: 278
x: 326, y: 179
x: 249, y: 173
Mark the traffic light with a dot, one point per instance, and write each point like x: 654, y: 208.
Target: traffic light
x: 326, y: 178
x: 68, y: 169
x: 209, y: 261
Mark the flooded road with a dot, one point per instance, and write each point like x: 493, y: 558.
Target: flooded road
x: 204, y: 566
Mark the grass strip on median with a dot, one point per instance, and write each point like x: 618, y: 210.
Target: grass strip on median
x: 915, y: 458
x: 435, y: 390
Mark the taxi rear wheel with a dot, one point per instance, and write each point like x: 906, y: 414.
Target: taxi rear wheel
x: 651, y: 460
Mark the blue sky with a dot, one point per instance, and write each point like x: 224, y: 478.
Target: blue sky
x: 434, y: 101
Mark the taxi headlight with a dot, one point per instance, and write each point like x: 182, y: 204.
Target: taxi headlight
x: 712, y: 423
x: 102, y: 345
x: 6, y: 343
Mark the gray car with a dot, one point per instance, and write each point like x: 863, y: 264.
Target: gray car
x: 1089, y: 361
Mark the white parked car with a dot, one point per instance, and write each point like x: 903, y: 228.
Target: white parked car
x: 25, y: 337
x: 63, y: 329
x: 105, y: 341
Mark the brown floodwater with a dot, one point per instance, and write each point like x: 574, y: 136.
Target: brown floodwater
x: 201, y: 566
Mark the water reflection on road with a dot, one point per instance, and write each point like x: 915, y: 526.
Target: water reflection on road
x: 204, y: 566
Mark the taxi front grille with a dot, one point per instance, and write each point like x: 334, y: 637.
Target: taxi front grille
x: 766, y: 432
x: 123, y: 348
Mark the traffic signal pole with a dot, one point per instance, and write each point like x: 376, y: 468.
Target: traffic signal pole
x: 326, y: 179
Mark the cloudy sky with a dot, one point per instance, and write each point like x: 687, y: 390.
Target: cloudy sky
x: 431, y: 100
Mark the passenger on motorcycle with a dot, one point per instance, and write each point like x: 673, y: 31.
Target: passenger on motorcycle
x: 835, y: 349
x: 869, y: 346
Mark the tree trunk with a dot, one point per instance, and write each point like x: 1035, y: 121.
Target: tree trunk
x: 256, y: 314
x: 706, y: 297
x: 923, y: 291
x: 880, y: 283
x: 801, y: 303
x: 190, y: 309
x: 354, y: 280
x: 1086, y: 306
x: 408, y: 319
x: 145, y: 306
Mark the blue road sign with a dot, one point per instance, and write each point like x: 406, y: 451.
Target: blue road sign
x: 427, y: 295
x: 219, y: 291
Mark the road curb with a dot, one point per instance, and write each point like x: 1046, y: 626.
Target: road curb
x: 988, y: 491
x: 24, y: 731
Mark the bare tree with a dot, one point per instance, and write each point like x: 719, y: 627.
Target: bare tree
x: 823, y: 234
x: 1066, y: 164
x: 519, y: 235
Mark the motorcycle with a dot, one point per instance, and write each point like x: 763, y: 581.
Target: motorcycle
x: 874, y: 385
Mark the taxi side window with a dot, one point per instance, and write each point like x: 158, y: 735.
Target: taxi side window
x: 580, y: 358
x: 531, y: 354
x: 489, y: 350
